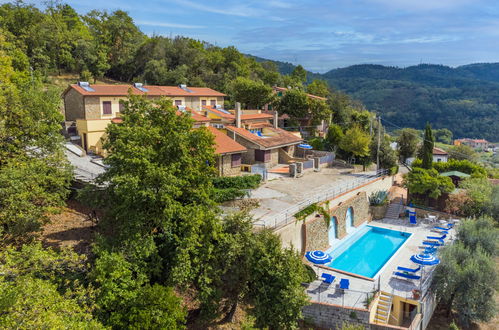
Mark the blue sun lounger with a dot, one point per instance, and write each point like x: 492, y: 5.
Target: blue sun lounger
x: 429, y: 250
x: 434, y: 243
x: 344, y: 283
x: 328, y: 278
x: 441, y: 238
x: 408, y: 276
x: 409, y: 270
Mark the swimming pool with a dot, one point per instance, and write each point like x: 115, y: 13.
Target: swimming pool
x: 367, y: 250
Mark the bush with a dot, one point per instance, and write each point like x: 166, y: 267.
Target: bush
x: 378, y: 198
x: 238, y: 182
x: 464, y: 166
x: 394, y: 170
x: 228, y: 194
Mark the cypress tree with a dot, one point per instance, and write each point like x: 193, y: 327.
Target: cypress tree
x: 428, y: 144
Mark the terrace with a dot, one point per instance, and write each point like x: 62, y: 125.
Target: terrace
x: 361, y: 290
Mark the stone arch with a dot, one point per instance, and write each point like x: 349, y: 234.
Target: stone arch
x: 332, y: 230
x: 349, y: 219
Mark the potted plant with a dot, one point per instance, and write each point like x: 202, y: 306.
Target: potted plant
x: 416, y: 294
x: 378, y: 202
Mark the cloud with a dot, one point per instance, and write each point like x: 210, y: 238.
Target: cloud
x: 170, y: 25
x: 241, y: 10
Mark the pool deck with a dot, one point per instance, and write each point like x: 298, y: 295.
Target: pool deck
x: 359, y: 288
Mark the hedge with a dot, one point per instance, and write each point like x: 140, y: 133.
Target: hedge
x: 238, y: 182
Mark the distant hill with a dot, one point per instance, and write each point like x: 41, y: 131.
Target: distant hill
x: 463, y: 99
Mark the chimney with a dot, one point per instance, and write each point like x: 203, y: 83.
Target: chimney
x: 238, y: 115
x: 276, y: 119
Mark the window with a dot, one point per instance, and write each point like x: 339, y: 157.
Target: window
x: 178, y: 102
x: 262, y: 155
x: 122, y: 106
x: 236, y: 160
x: 106, y: 108
x: 213, y: 102
x: 203, y: 102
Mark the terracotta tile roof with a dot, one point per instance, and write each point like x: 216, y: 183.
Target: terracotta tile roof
x: 122, y: 90
x: 196, y: 116
x: 224, y: 144
x: 282, y: 137
x: 219, y: 113
x: 438, y: 151
x: 480, y: 141
x: 256, y: 116
x: 284, y: 89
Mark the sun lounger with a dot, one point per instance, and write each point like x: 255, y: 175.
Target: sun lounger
x: 429, y: 250
x: 408, y: 276
x: 409, y: 270
x: 344, y: 283
x: 328, y: 278
x: 433, y: 243
x: 437, y: 238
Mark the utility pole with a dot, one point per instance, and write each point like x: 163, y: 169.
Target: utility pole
x: 379, y: 141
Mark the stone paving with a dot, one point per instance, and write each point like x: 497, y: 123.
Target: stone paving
x: 359, y: 288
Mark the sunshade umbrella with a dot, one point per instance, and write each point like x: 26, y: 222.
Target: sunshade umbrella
x: 305, y: 146
x: 318, y: 257
x: 425, y: 259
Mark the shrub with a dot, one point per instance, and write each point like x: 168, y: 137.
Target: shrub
x: 228, y: 194
x: 238, y: 182
x: 394, y: 170
x: 464, y: 166
x: 378, y: 198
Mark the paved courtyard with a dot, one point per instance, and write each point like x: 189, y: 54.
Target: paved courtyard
x: 359, y: 288
x: 282, y: 196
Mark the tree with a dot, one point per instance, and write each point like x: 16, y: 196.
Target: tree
x: 465, y: 281
x: 462, y: 152
x: 333, y: 137
x: 252, y: 94
x: 125, y: 299
x: 294, y: 103
x: 319, y: 88
x: 443, y: 135
x: 387, y: 156
x: 158, y: 195
x: 275, y: 286
x: 407, y: 143
x: 34, y: 173
x: 299, y: 74
x: 480, y: 233
x: 427, y: 150
x: 479, y: 191
x: 427, y: 183
x: 319, y: 111
x: 356, y: 142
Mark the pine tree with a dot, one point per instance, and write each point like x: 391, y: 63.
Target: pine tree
x: 428, y: 144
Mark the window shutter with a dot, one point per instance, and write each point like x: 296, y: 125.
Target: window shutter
x: 213, y: 102
x: 178, y: 102
x: 203, y: 102
x: 267, y: 156
x: 106, y: 108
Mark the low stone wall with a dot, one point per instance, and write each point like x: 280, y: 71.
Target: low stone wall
x: 333, y: 316
x: 360, y: 207
x: 378, y: 212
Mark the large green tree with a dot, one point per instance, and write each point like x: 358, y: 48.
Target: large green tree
x: 407, y: 140
x: 356, y: 142
x: 158, y: 190
x: 252, y: 94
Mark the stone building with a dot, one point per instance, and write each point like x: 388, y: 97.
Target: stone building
x: 89, y: 108
x: 229, y: 154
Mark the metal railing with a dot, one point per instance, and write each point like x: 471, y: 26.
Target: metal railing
x: 287, y: 215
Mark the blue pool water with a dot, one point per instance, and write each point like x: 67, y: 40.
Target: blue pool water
x: 367, y: 250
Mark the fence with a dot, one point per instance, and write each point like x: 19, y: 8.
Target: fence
x: 327, y: 159
x: 345, y: 298
x: 308, y: 164
x: 260, y: 169
x: 287, y: 215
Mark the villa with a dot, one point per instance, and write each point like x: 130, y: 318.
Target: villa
x: 88, y: 109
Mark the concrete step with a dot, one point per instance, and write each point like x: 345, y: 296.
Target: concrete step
x: 379, y: 320
x: 382, y: 313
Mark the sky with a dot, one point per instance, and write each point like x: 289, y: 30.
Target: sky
x: 327, y: 34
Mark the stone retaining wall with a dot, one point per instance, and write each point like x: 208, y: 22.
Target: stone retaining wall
x: 333, y: 316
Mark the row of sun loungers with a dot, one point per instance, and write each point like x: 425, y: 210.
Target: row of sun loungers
x: 329, y: 279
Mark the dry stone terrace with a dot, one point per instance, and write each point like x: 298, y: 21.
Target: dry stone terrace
x: 360, y: 288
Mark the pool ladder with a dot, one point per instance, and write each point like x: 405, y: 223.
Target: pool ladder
x: 384, y: 308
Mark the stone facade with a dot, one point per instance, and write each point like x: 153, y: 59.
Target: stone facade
x: 360, y: 207
x: 74, y: 105
x: 316, y: 234
x: 224, y: 165
x: 316, y: 229
x: 332, y: 316
x: 92, y: 108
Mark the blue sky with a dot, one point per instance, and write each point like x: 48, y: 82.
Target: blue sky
x: 322, y: 35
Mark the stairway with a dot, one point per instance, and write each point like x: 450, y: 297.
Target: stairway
x: 384, y: 307
x: 394, y: 208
